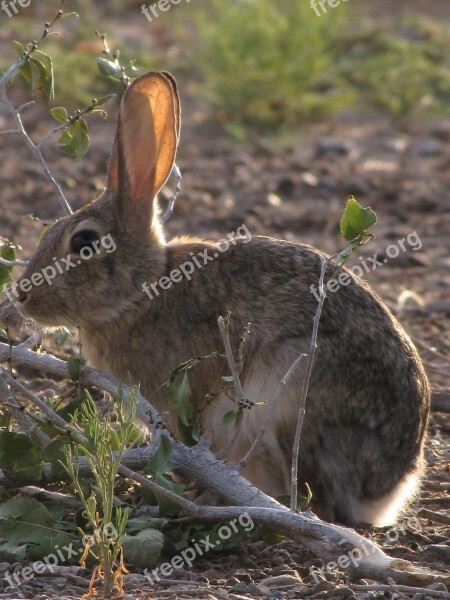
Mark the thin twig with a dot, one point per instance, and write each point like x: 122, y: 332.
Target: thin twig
x: 32, y: 147
x: 305, y: 386
x: 13, y: 263
x: 55, y: 419
x: 15, y: 112
x: 171, y: 201
x: 36, y: 492
x: 269, y: 417
x: 16, y: 410
x: 224, y: 324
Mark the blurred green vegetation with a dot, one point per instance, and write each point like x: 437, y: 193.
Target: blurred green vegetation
x: 257, y: 63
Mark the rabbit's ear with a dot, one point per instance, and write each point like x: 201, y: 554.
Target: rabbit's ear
x: 146, y: 140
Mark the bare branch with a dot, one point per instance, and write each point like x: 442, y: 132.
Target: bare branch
x: 269, y: 416
x: 25, y: 421
x: 305, y: 386
x: 13, y: 263
x: 32, y: 147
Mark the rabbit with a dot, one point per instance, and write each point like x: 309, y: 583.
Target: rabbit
x: 362, y: 444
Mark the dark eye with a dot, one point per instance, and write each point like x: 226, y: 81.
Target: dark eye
x: 86, y: 238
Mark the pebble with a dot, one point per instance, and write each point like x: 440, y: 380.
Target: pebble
x: 322, y: 586
x: 243, y: 575
x: 281, y: 581
x: 259, y: 588
x: 439, y: 586
x: 241, y: 588
x: 335, y: 145
x: 211, y: 574
x: 441, y: 550
x: 428, y: 148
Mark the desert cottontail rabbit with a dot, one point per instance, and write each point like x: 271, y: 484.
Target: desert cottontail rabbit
x: 367, y: 408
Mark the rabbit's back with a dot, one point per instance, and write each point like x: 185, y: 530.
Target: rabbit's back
x: 368, y: 399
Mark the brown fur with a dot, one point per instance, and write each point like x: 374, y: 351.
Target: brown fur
x: 367, y: 409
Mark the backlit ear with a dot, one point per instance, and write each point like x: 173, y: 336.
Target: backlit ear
x: 146, y: 139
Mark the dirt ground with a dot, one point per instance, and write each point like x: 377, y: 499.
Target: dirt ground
x: 401, y: 170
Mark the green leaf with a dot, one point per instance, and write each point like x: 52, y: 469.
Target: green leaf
x: 73, y: 367
x: 159, y: 461
x: 60, y: 114
x: 54, y: 454
x: 74, y: 140
x: 356, y: 220
x: 168, y: 508
x: 143, y: 549
x: 25, y: 522
x: 179, y: 395
x: 230, y: 417
x: 38, y: 73
x: 104, y: 99
x: 20, y: 49
x: 109, y: 69
x: 20, y: 456
x: 69, y: 14
x: 49, y: 79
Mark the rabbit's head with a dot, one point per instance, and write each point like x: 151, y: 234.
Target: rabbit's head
x: 89, y: 266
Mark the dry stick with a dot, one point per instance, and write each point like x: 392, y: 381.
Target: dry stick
x: 328, y: 541
x: 32, y: 147
x: 15, y: 113
x: 56, y: 420
x: 14, y: 407
x: 224, y: 325
x: 269, y: 416
x: 36, y: 492
x: 305, y: 386
x: 13, y: 263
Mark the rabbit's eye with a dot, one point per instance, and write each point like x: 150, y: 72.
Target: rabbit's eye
x: 86, y: 238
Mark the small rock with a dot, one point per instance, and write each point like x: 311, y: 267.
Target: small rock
x: 284, y: 570
x: 243, y: 575
x: 241, y: 588
x: 441, y: 130
x: 428, y: 148
x: 438, y: 587
x: 259, y: 588
x: 232, y: 581
x: 281, y: 581
x: 211, y: 574
x: 322, y: 586
x: 328, y: 145
x: 309, y: 179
